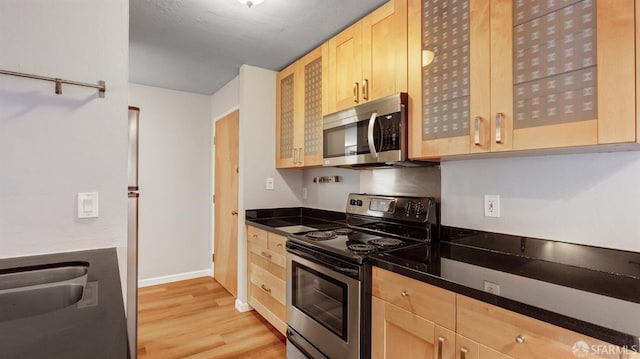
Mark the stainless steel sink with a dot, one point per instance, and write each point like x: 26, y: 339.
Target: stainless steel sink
x: 34, y: 290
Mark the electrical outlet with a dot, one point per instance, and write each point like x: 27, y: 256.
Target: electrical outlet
x: 491, y: 205
x: 490, y: 287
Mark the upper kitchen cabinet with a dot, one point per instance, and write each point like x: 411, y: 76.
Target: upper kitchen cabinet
x: 502, y: 75
x: 368, y: 60
x: 300, y: 90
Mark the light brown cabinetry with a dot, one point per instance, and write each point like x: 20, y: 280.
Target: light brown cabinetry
x: 520, y: 336
x: 521, y: 75
x: 410, y: 319
x: 301, y: 90
x: 267, y: 275
x: 468, y: 349
x: 368, y: 60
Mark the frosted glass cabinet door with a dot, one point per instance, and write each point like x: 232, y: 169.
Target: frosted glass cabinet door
x: 450, y: 112
x: 285, y: 116
x: 573, y: 73
x: 521, y: 74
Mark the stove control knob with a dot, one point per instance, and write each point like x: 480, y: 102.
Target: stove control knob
x: 408, y: 208
x: 419, y: 208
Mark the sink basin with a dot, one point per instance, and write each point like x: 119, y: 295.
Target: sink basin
x: 296, y: 229
x: 34, y: 290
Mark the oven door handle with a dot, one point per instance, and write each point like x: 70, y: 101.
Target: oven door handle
x: 372, y: 145
x: 351, y: 272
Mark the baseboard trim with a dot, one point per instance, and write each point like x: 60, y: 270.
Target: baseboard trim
x: 174, y: 278
x: 242, y: 306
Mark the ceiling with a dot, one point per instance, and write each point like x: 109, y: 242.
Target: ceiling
x: 199, y: 45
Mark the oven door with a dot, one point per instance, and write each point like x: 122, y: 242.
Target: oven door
x: 323, y: 304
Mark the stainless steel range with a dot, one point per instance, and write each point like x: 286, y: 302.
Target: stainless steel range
x: 328, y: 310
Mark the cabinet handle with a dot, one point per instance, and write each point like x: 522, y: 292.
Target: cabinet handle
x: 234, y: 213
x: 499, y: 127
x: 463, y: 353
x: 300, y: 155
x: 279, y: 245
x: 355, y: 92
x: 294, y: 155
x: 365, y: 89
x: 476, y: 130
x: 520, y: 339
x: 265, y: 288
x: 404, y: 293
x: 255, y: 236
x: 266, y: 255
x: 441, y: 341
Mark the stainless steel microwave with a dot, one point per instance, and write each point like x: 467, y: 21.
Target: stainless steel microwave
x: 371, y: 133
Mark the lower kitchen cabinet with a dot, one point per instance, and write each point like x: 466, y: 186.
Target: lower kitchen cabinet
x: 398, y: 333
x: 520, y: 336
x: 410, y: 319
x: 267, y: 275
x: 413, y: 319
x: 468, y: 349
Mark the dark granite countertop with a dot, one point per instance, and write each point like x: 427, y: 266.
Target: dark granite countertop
x: 79, y: 331
x: 275, y: 218
x: 590, y: 290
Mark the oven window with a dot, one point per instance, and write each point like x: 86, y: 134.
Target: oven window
x: 320, y: 297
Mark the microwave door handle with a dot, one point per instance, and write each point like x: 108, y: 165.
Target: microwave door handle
x: 372, y: 145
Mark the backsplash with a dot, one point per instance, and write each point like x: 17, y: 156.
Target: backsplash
x: 589, y: 199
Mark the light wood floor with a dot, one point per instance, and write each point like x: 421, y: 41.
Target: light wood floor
x: 197, y: 319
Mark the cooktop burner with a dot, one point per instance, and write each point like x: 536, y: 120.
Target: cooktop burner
x: 361, y: 248
x: 343, y: 231
x: 386, y: 242
x: 322, y: 235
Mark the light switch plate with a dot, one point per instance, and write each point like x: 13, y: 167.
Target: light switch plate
x: 270, y: 184
x: 491, y: 205
x: 87, y: 204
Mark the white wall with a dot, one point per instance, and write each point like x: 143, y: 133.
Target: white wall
x: 174, y: 177
x: 257, y: 89
x: 54, y: 146
x: 585, y: 198
x: 226, y: 100
x: 329, y: 196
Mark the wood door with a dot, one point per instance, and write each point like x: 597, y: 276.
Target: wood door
x: 384, y: 51
x: 449, y: 97
x: 345, y: 68
x: 225, y: 242
x: 581, y: 91
x: 397, y: 333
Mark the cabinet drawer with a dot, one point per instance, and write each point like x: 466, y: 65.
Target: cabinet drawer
x: 277, y: 243
x: 430, y: 302
x: 267, y: 254
x: 517, y: 335
x: 272, y: 310
x: 269, y: 283
x: 264, y: 263
x: 257, y: 236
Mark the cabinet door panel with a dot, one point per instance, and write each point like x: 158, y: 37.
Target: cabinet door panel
x: 285, y: 117
x: 345, y: 67
x: 501, y: 75
x: 384, y: 51
x: 314, y: 84
x: 397, y: 333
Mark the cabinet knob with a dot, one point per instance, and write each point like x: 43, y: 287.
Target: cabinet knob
x: 404, y: 293
x: 520, y: 339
